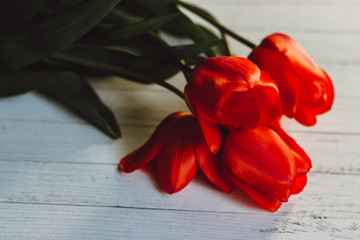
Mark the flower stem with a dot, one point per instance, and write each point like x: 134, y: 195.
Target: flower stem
x: 234, y: 35
x: 184, y: 68
x: 171, y: 88
x: 209, y: 18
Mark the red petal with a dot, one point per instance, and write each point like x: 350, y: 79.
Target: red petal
x: 303, y: 162
x: 290, y: 66
x: 151, y: 166
x: 221, y: 92
x: 281, y: 72
x: 294, y: 53
x: 141, y: 156
x: 299, y: 184
x: 328, y: 96
x: 305, y: 115
x: 241, y: 109
x: 212, y: 135
x: 268, y: 99
x: 176, y: 162
x: 261, y: 158
x: 210, y: 164
x: 226, y: 74
x: 263, y: 199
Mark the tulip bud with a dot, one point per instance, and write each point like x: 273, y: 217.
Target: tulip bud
x: 233, y: 92
x: 265, y: 163
x: 305, y: 89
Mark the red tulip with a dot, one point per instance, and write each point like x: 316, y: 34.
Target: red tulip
x: 231, y: 91
x: 174, y: 152
x: 305, y: 89
x: 266, y: 163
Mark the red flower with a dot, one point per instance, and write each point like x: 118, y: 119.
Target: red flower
x: 305, y: 88
x: 266, y: 163
x: 231, y: 91
x: 175, y: 151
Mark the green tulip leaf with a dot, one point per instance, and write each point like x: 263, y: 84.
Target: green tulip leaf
x: 14, y: 13
x: 223, y: 50
x: 121, y: 17
x: 141, y: 27
x: 150, y: 74
x: 181, y: 26
x: 77, y: 94
x: 189, y: 53
x: 148, y: 65
x: 38, y: 41
x: 66, y: 87
x: 14, y: 83
x: 220, y: 48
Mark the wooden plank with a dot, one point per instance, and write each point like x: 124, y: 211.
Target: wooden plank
x: 289, y: 16
x: 103, y: 185
x: 32, y: 221
x: 81, y: 143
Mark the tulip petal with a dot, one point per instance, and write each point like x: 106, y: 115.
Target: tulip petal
x: 303, y: 162
x: 210, y: 164
x: 328, y: 95
x: 138, y: 158
x: 293, y: 53
x: 305, y: 115
x: 176, y: 162
x: 206, y: 104
x: 279, y: 70
x: 305, y: 88
x: 212, y: 135
x: 299, y: 184
x: 262, y: 198
x: 226, y: 74
x: 221, y: 91
x: 261, y: 158
x: 150, y: 166
x: 241, y: 109
x: 267, y: 96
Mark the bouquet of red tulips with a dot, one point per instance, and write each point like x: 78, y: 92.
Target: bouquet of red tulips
x: 232, y: 134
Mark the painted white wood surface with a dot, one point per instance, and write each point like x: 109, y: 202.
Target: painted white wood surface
x: 58, y: 177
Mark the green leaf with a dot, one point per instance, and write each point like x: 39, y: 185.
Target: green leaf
x: 14, y: 83
x: 181, y: 26
x: 220, y: 48
x: 68, y: 88
x: 150, y: 65
x: 120, y: 17
x: 224, y: 50
x: 96, y: 65
x: 77, y: 94
x: 189, y: 53
x: 141, y: 27
x: 37, y: 41
x: 14, y: 13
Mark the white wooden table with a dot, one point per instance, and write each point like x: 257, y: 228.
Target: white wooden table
x: 59, y: 178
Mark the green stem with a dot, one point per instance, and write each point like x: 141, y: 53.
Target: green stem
x: 171, y: 88
x: 234, y: 35
x: 227, y: 45
x: 206, y: 16
x: 184, y: 68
